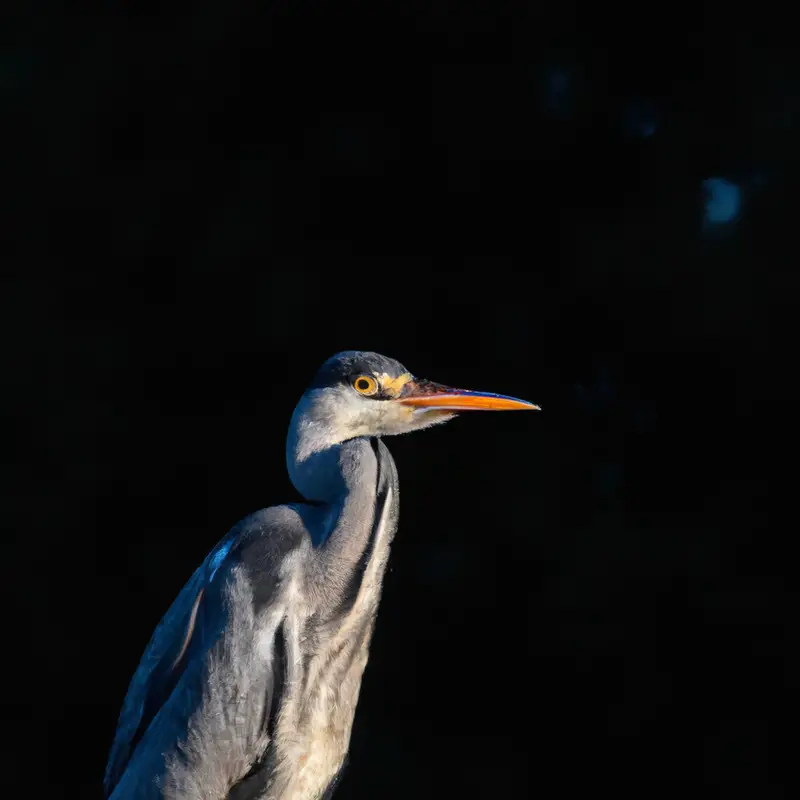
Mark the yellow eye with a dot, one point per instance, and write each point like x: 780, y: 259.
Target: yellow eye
x: 365, y: 384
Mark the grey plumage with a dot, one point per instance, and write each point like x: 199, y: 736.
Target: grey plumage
x: 249, y: 685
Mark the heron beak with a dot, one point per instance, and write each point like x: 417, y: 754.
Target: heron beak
x: 420, y: 393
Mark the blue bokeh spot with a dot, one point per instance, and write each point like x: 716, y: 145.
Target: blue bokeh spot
x: 723, y: 200
x: 557, y: 90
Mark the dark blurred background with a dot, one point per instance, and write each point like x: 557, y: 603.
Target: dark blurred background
x: 585, y: 206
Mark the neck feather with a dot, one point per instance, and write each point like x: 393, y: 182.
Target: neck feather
x: 355, y: 482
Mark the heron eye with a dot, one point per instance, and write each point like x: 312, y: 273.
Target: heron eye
x: 365, y: 384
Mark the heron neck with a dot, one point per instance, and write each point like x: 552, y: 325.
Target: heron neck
x: 363, y: 522
x: 356, y: 484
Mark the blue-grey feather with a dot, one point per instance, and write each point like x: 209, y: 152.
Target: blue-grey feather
x: 166, y: 696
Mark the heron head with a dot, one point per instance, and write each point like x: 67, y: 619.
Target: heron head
x: 356, y: 394
x: 366, y: 394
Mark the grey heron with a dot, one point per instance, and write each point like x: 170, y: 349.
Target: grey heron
x: 249, y: 685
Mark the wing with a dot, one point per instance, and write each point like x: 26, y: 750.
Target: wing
x: 194, y: 622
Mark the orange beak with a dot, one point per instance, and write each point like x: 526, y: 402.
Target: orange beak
x: 420, y: 393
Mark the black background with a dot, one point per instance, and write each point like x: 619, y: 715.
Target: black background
x: 203, y: 203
